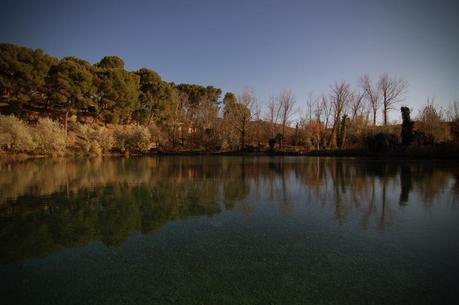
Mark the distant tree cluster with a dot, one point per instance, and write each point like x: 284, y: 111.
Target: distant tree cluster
x: 347, y: 118
x: 178, y: 117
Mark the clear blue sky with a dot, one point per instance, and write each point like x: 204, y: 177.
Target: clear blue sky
x: 268, y: 45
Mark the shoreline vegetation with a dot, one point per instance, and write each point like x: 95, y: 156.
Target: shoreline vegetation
x: 69, y: 107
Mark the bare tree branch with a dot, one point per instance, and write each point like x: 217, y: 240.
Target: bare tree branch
x: 391, y: 90
x: 371, y: 94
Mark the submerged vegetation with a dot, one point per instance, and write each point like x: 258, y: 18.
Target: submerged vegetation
x: 64, y: 106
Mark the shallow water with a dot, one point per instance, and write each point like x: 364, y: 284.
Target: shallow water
x: 229, y: 230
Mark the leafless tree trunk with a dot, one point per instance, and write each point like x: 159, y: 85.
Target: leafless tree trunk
x: 318, y: 109
x: 340, y: 98
x: 310, y: 101
x: 357, y: 104
x: 326, y: 105
x: 371, y: 94
x: 287, y: 104
x: 391, y: 90
x: 273, y: 114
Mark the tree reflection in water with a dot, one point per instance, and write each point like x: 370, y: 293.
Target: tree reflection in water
x: 47, y: 205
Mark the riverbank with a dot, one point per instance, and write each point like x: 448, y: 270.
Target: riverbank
x: 418, y: 153
x: 46, y: 138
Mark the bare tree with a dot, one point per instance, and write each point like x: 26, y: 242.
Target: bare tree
x: 318, y: 109
x: 273, y: 113
x: 371, y: 94
x: 391, y: 90
x: 356, y: 104
x: 287, y: 104
x: 340, y: 98
x: 452, y: 112
x: 327, y: 106
x: 310, y: 102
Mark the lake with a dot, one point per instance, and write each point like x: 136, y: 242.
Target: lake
x: 229, y: 230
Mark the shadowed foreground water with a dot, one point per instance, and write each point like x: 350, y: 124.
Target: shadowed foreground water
x: 229, y: 230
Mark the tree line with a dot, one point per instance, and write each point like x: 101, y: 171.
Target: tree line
x: 189, y: 116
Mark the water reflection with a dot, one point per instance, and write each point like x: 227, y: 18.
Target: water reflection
x: 47, y: 205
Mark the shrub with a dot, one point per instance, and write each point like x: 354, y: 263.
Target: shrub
x: 94, y: 139
x: 421, y: 138
x: 15, y: 135
x: 104, y: 137
x: 156, y: 134
x: 381, y: 142
x: 139, y: 138
x: 132, y: 138
x: 432, y: 126
x: 455, y: 129
x: 50, y: 137
x: 272, y: 143
x: 95, y: 148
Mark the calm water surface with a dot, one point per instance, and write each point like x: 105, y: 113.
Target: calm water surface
x: 229, y: 230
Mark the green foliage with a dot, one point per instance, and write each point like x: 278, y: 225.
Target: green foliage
x: 117, y: 92
x: 141, y: 116
x: 272, y: 143
x: 70, y: 84
x: 197, y: 93
x: 23, y: 72
x: 407, y: 126
x: 111, y: 62
x: 154, y: 93
x: 33, y: 82
x: 15, y: 135
x: 109, y: 117
x: 381, y: 142
x: 230, y: 98
x: 213, y: 94
x: 342, y: 131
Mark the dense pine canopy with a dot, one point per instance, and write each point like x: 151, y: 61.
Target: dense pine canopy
x: 33, y: 80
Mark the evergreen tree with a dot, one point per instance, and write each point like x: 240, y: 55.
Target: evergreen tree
x: 23, y: 74
x: 70, y: 85
x: 153, y: 95
x: 117, y: 93
x: 342, y: 131
x: 407, y: 126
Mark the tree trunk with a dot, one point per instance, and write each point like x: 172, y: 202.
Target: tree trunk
x: 374, y: 117
x: 151, y: 115
x: 67, y: 116
x: 66, y: 119
x: 385, y: 109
